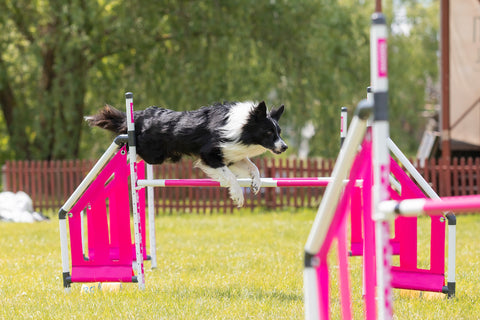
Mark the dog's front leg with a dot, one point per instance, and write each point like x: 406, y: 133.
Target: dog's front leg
x: 246, y: 168
x: 226, y: 178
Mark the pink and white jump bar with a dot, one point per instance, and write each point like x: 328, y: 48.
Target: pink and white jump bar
x: 416, y: 207
x: 265, y: 182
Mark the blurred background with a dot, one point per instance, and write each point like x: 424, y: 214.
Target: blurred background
x: 60, y: 61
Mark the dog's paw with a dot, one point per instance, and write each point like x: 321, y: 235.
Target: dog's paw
x: 256, y: 183
x: 236, y: 193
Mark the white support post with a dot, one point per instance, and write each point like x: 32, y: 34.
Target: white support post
x: 452, y: 234
x: 381, y: 161
x: 64, y: 252
x: 132, y: 156
x: 151, y: 218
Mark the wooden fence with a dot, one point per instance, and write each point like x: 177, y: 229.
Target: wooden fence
x: 457, y: 178
x: 49, y: 183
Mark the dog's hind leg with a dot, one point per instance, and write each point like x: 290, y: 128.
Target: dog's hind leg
x: 245, y: 168
x: 226, y: 178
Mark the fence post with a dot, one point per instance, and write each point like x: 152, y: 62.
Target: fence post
x: 4, y: 177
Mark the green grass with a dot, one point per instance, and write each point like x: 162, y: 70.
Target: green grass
x: 242, y: 266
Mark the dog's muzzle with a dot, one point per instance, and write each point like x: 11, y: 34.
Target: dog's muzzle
x: 280, y: 146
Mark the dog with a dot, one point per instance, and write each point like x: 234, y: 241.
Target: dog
x: 222, y: 136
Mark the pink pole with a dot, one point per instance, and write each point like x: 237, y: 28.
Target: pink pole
x: 284, y: 182
x: 369, y: 236
x: 343, y: 271
x: 457, y: 204
x: 323, y: 295
x: 413, y: 207
x: 302, y: 183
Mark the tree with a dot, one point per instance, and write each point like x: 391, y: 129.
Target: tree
x: 61, y: 61
x: 45, y: 63
x: 413, y: 74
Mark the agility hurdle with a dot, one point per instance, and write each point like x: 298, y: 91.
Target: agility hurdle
x: 360, y: 173
x: 373, y: 160
x: 138, y: 184
x: 407, y: 275
x: 388, y: 210
x: 358, y: 180
x: 103, y: 194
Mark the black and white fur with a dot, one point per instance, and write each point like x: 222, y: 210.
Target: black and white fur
x: 222, y: 136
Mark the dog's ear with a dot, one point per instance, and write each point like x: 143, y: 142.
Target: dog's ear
x: 277, y: 113
x: 261, y: 110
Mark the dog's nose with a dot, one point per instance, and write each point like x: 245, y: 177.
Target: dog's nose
x: 284, y: 147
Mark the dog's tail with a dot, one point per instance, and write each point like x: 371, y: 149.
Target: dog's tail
x: 109, y: 118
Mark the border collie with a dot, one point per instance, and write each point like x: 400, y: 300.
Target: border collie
x: 223, y: 137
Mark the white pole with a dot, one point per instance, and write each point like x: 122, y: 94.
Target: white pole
x: 132, y: 155
x: 340, y: 171
x: 451, y: 254
x: 92, y: 174
x: 151, y: 218
x: 64, y: 253
x: 310, y: 293
x: 411, y: 169
x: 381, y: 161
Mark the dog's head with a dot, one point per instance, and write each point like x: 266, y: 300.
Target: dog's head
x: 263, y: 129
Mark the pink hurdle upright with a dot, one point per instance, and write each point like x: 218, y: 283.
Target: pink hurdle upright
x: 101, y: 249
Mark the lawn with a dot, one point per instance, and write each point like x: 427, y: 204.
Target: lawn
x: 242, y: 266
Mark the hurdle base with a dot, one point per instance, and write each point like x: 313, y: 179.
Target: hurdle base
x: 67, y: 280
x: 449, y: 290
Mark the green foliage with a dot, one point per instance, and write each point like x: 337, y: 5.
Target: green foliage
x: 413, y: 75
x: 59, y: 62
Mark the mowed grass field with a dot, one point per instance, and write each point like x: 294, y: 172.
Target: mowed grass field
x: 242, y: 266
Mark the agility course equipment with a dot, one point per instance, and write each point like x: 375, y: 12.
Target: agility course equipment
x: 408, y: 275
x: 354, y: 170
x: 106, y: 254
x: 137, y: 186
x: 373, y: 165
x: 388, y: 210
x: 104, y: 195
